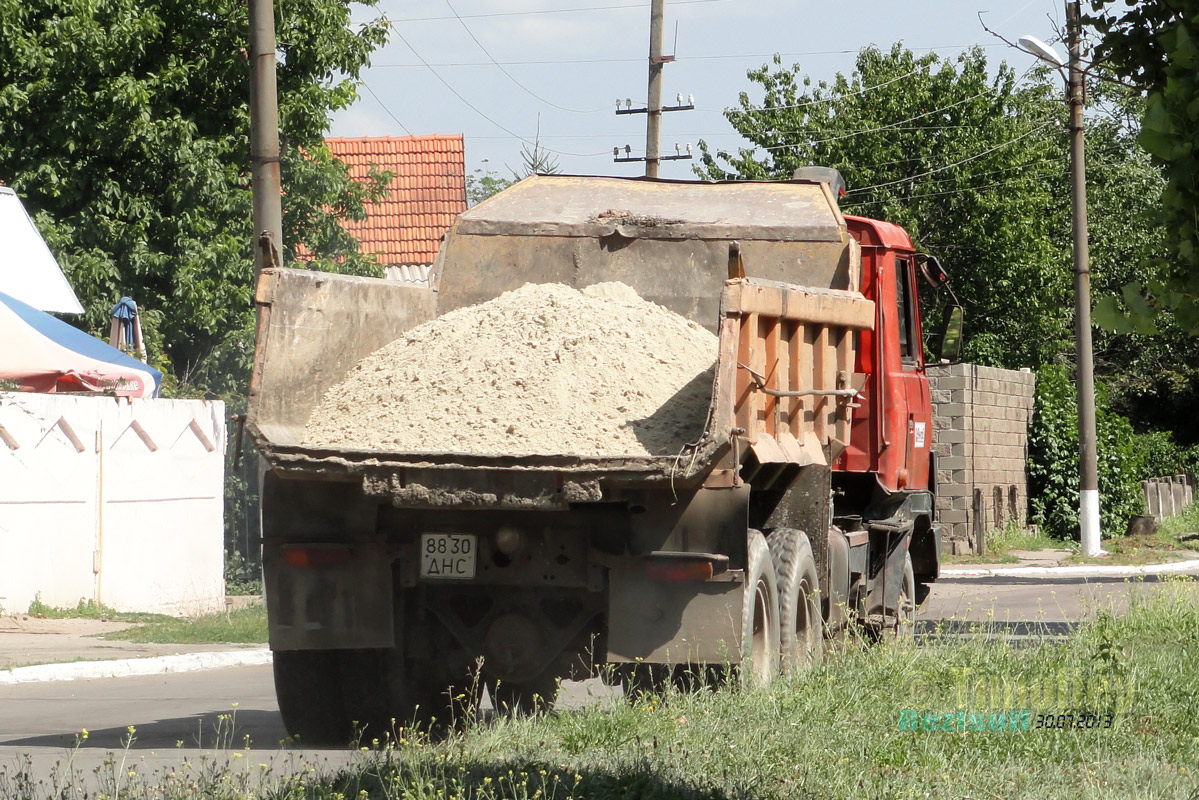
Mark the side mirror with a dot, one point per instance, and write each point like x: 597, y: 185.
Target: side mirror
x: 949, y: 346
x: 930, y: 268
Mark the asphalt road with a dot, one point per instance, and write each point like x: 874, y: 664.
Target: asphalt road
x: 1027, y: 606
x: 193, y: 716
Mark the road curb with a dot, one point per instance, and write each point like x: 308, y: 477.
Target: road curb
x: 1079, y: 570
x: 126, y: 667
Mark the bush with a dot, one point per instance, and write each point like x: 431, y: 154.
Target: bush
x: 1053, y: 460
x: 242, y: 576
x: 1163, y: 456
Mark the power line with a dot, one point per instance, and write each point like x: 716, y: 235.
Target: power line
x: 1095, y: 156
x: 475, y: 109
x: 403, y: 127
x: 554, y: 11
x: 988, y: 151
x: 641, y: 59
x: 967, y: 189
x: 694, y: 135
x: 889, y: 126
x: 510, y: 76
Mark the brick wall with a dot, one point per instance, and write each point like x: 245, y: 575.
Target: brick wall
x: 980, y: 435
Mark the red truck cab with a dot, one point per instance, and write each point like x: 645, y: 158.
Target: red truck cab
x: 891, y: 438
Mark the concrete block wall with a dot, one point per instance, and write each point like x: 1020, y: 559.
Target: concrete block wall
x: 981, y: 417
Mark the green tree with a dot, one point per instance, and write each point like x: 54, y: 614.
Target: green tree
x: 973, y: 166
x: 124, y: 125
x: 1154, y: 45
x: 535, y: 160
x: 483, y: 183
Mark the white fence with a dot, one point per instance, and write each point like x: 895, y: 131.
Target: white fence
x: 114, y: 500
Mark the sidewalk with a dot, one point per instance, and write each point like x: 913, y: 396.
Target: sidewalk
x: 34, y: 649
x: 26, y: 640
x: 1051, y: 562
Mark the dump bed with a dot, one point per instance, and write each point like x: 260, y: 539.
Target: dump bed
x: 784, y: 369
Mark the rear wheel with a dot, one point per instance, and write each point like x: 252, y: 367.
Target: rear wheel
x: 801, y: 634
x: 759, y: 615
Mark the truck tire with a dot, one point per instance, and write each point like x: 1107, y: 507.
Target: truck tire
x: 759, y: 615
x: 801, y: 634
x: 308, y: 690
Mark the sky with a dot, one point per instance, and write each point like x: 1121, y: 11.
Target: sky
x: 508, y: 72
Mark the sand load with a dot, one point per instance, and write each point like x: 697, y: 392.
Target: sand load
x: 542, y: 370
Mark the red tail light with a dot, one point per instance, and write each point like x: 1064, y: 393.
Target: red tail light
x: 315, y: 557
x: 678, y: 569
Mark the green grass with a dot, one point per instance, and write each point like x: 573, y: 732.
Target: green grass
x: 1161, y: 547
x: 833, y: 732
x: 89, y: 609
x: 1164, y: 545
x: 244, y: 626
x: 1001, y: 542
x: 1186, y: 522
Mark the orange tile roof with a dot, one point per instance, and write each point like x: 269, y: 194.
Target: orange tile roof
x: 427, y: 190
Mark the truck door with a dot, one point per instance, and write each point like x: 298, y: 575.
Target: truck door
x: 915, y: 418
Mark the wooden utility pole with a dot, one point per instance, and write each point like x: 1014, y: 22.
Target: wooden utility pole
x: 653, y: 117
x: 264, y: 136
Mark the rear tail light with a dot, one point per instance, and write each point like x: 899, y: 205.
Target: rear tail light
x: 666, y: 565
x: 677, y: 569
x: 315, y: 556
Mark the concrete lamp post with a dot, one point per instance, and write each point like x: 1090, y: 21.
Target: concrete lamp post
x: 1085, y: 368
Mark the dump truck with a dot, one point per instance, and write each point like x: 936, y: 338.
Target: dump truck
x: 400, y: 583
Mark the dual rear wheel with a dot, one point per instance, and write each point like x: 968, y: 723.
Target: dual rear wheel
x: 781, y: 621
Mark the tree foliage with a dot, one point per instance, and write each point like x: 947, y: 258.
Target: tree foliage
x: 124, y: 125
x: 1155, y: 45
x: 973, y: 167
x: 535, y: 160
x: 1053, y: 460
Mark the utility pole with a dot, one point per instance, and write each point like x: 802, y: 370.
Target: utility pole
x: 1085, y: 370
x: 264, y: 137
x: 653, y: 109
x: 653, y: 117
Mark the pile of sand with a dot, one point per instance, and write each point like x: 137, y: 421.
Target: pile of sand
x: 543, y: 370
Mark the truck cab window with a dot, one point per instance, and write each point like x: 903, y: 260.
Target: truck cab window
x: 905, y: 301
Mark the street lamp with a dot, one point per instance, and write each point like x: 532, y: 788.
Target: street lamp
x: 1041, y: 50
x: 1085, y: 373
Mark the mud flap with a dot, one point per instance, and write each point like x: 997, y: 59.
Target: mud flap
x: 674, y: 621
x: 338, y: 602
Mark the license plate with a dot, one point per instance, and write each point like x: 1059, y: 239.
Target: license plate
x: 448, y: 555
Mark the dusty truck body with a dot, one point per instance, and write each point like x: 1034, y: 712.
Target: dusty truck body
x: 399, y: 581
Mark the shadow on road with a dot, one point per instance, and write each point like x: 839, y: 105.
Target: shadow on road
x: 224, y: 730
x: 954, y: 630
